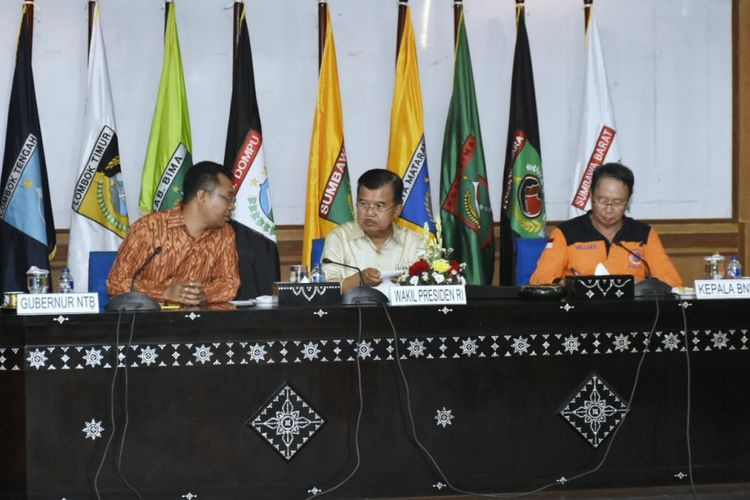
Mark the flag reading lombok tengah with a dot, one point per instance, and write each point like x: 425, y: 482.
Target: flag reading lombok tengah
x: 244, y: 158
x: 522, y: 213
x: 407, y: 152
x: 466, y: 213
x: 329, y: 192
x: 168, y: 156
x: 27, y: 230
x: 99, y: 220
x: 598, y: 141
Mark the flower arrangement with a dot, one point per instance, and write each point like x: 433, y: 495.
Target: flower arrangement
x: 435, y: 267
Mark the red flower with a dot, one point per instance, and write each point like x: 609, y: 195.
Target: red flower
x: 455, y: 266
x: 419, y: 267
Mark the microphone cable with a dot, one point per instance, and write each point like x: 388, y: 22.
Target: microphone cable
x: 562, y: 480
x: 359, y: 413
x: 688, y: 405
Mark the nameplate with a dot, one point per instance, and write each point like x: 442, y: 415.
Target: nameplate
x: 722, y: 289
x: 427, y: 295
x: 57, y: 303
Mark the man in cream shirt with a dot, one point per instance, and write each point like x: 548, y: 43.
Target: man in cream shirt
x: 373, y: 242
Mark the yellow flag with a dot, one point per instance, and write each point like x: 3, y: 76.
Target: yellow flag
x: 407, y: 154
x: 329, y: 193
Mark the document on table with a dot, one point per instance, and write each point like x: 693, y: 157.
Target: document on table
x: 387, y: 276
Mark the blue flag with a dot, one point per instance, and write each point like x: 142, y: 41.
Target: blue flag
x: 27, y: 231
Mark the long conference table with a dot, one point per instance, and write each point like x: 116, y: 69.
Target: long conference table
x: 504, y: 395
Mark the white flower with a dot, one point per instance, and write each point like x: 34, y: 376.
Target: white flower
x: 439, y: 278
x: 414, y: 280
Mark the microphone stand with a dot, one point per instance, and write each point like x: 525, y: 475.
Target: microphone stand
x: 361, y: 294
x: 132, y: 300
x: 650, y: 286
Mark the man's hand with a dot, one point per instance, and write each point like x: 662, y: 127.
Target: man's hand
x: 185, y: 292
x: 370, y: 276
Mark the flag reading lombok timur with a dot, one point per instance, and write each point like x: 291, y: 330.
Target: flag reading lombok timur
x: 598, y: 141
x: 522, y: 212
x: 99, y: 220
x: 27, y: 230
x: 168, y: 156
x: 465, y: 212
x: 407, y: 153
x: 245, y: 160
x: 329, y: 192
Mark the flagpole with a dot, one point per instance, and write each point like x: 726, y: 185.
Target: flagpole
x: 458, y: 8
x: 28, y: 15
x: 166, y: 13
x: 322, y: 20
x: 92, y: 7
x: 587, y: 4
x: 402, y: 5
x: 236, y: 29
x: 519, y: 10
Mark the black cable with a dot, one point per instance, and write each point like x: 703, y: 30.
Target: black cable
x: 111, y: 407
x: 359, y: 412
x: 542, y: 488
x: 127, y: 416
x: 689, y: 397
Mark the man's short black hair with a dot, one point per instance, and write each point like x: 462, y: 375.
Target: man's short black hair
x: 376, y: 178
x: 204, y: 175
x: 614, y: 171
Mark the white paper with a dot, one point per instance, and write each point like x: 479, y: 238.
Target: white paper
x: 386, y: 284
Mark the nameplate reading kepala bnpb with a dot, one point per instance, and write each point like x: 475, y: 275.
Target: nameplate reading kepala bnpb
x: 58, y: 303
x: 427, y: 295
x: 722, y: 289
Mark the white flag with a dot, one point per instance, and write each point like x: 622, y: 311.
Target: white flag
x: 598, y: 140
x: 99, y: 220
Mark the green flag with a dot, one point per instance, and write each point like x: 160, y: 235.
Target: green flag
x: 522, y: 213
x: 466, y: 213
x: 168, y: 156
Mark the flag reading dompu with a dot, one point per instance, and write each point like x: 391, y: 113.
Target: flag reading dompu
x: 27, y: 229
x: 329, y: 192
x: 168, y: 156
x: 99, y: 219
x: 522, y: 212
x: 466, y: 213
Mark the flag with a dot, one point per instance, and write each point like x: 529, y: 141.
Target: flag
x: 99, y: 220
x: 168, y: 156
x: 244, y: 159
x: 407, y: 153
x: 27, y: 230
x: 329, y: 192
x: 598, y: 142
x: 522, y: 213
x: 466, y: 214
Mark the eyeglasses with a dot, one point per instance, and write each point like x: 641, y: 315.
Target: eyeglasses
x: 230, y: 198
x: 604, y: 202
x: 378, y: 208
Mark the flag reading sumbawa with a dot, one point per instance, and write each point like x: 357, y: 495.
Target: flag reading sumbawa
x: 99, y: 220
x: 27, y: 231
x: 244, y: 159
x: 168, y: 156
x: 407, y: 153
x: 522, y: 212
x: 465, y: 212
x: 598, y: 141
x: 329, y: 192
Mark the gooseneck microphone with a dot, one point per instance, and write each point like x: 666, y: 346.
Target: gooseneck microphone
x: 650, y: 286
x: 362, y: 294
x: 133, y: 300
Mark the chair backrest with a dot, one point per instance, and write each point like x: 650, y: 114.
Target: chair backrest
x: 528, y: 251
x: 99, y: 265
x: 316, y: 253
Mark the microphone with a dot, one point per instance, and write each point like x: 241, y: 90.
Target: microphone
x: 650, y: 286
x: 133, y: 300
x: 362, y: 294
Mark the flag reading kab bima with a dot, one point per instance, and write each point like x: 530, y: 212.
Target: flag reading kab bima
x: 168, y: 156
x: 99, y: 219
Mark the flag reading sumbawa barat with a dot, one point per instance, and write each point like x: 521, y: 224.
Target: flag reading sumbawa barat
x: 465, y: 212
x: 168, y: 156
x: 244, y: 155
x: 598, y: 141
x: 99, y: 218
x: 27, y: 230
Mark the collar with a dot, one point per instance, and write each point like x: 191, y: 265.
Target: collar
x: 174, y: 217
